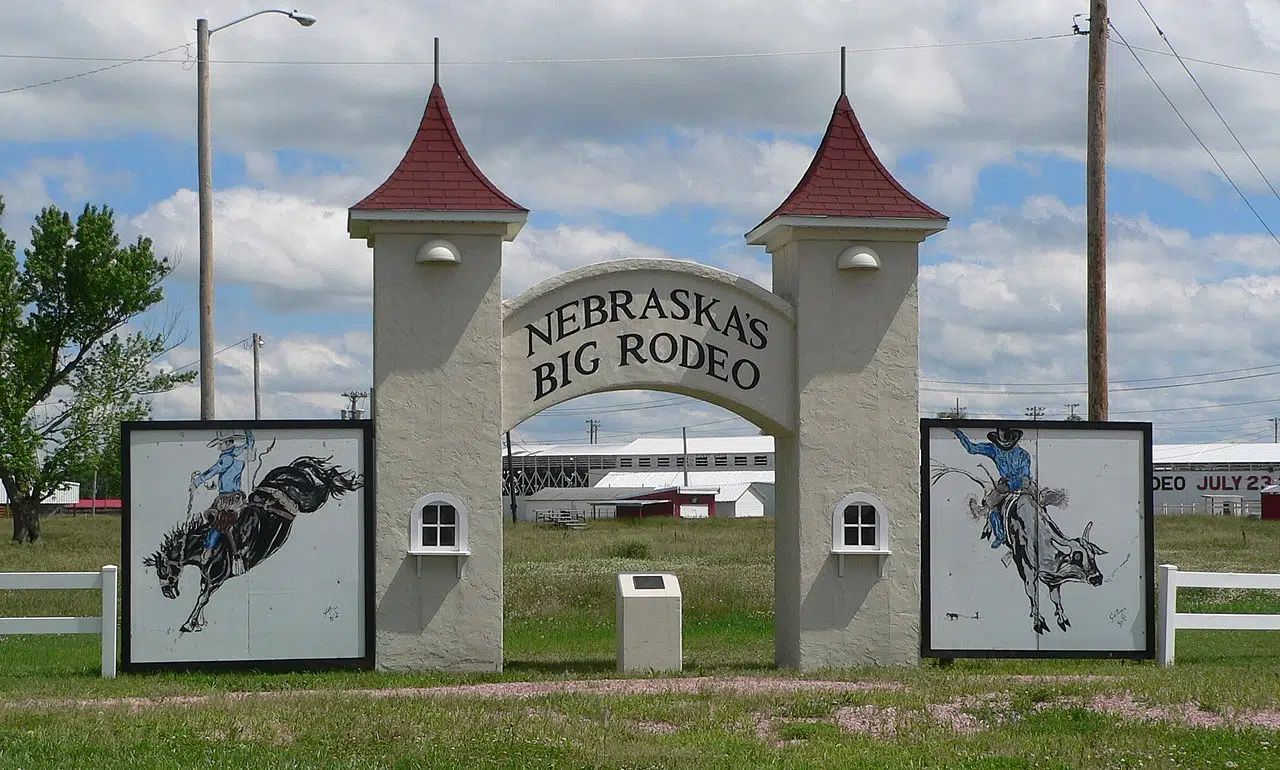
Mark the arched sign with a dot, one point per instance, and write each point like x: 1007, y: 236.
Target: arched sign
x: 650, y: 324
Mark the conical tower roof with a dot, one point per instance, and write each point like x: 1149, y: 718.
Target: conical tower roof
x: 846, y: 179
x: 437, y: 173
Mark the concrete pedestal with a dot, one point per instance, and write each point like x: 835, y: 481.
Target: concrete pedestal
x: 650, y: 622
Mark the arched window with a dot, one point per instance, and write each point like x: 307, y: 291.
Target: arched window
x: 859, y: 525
x: 438, y: 524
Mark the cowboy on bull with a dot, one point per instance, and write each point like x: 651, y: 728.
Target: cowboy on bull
x: 222, y: 514
x: 1014, y: 464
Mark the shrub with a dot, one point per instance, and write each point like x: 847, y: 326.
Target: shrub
x: 630, y: 549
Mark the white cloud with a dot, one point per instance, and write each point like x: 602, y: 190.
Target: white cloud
x: 43, y: 179
x: 1007, y: 307
x: 296, y: 252
x: 537, y: 255
x: 281, y: 243
x: 302, y: 376
x: 736, y: 174
x: 958, y: 104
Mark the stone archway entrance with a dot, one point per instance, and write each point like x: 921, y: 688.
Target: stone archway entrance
x: 826, y: 361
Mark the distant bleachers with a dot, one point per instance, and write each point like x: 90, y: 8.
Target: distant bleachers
x: 566, y: 519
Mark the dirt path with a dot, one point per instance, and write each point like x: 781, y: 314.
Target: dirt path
x: 960, y: 712
x: 687, y: 685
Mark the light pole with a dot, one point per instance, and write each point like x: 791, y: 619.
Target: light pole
x: 204, y: 162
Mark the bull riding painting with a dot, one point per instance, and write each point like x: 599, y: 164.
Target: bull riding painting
x: 1016, y: 513
x: 267, y: 527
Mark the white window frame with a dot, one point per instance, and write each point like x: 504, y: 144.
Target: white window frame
x: 459, y: 549
x: 881, y: 547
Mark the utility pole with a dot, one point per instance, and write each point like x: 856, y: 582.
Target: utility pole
x: 1035, y: 412
x: 1096, y: 213
x: 593, y: 430
x: 353, y: 396
x: 1071, y: 408
x: 205, y: 173
x: 684, y: 438
x: 257, y: 379
x: 1275, y: 429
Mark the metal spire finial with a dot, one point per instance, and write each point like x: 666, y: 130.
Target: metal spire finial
x: 436, y: 81
x: 842, y: 70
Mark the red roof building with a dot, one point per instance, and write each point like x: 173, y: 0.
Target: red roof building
x: 111, y: 504
x: 847, y: 180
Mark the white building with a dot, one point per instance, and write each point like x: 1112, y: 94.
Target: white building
x: 739, y: 494
x: 1213, y: 478
x: 1187, y: 478
x: 66, y: 494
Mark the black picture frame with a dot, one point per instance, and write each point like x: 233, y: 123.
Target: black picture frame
x: 368, y: 555
x: 927, y: 425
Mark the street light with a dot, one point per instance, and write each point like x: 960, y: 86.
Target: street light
x: 204, y: 160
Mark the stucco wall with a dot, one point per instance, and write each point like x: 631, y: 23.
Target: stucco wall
x: 857, y: 405
x: 438, y: 390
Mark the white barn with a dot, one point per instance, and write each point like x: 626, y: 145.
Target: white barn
x: 66, y: 494
x: 739, y: 494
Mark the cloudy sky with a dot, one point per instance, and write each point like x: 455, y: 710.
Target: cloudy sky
x: 669, y: 129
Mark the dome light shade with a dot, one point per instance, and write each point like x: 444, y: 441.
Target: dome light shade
x: 858, y: 257
x: 438, y: 251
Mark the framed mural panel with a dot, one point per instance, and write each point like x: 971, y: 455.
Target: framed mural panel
x: 1036, y: 539
x: 247, y: 545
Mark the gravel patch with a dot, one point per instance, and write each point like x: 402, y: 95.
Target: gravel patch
x: 869, y: 719
x: 1188, y: 714
x: 687, y: 686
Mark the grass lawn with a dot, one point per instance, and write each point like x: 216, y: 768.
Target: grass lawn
x: 559, y: 626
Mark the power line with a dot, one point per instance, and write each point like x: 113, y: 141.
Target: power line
x: 1187, y: 69
x: 1204, y: 146
x: 927, y: 389
x: 215, y: 353
x: 1211, y: 63
x: 119, y: 63
x: 580, y: 60
x: 578, y: 411
x: 1130, y: 381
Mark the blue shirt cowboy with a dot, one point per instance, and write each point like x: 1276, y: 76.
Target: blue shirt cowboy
x: 229, y: 470
x: 1011, y: 461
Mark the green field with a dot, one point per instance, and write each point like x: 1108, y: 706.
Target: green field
x: 1220, y: 704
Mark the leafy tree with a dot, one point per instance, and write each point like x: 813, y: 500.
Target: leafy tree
x: 98, y: 473
x: 959, y: 413
x: 69, y: 372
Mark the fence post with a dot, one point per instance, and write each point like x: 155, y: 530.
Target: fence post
x: 1166, y: 608
x: 110, y: 625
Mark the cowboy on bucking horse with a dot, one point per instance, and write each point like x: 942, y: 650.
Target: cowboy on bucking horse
x: 222, y: 514
x: 1014, y: 464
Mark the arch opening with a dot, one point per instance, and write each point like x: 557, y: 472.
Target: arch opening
x: 623, y: 480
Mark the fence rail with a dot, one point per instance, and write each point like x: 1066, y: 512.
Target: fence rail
x: 1169, y: 620
x: 1245, y: 508
x: 106, y: 624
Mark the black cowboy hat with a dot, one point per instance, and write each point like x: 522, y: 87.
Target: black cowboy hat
x: 1005, y: 438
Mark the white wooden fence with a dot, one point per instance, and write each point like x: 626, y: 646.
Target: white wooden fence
x: 1169, y: 620
x: 106, y: 624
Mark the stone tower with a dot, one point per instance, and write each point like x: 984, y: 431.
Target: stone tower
x: 845, y: 246
x: 437, y: 226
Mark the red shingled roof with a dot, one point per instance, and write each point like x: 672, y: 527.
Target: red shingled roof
x: 437, y: 173
x: 846, y: 179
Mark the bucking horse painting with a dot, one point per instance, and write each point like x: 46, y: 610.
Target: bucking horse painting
x: 241, y: 531
x: 1014, y: 510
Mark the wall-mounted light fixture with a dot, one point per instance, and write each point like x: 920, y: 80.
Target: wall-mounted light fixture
x: 858, y: 257
x: 438, y: 251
